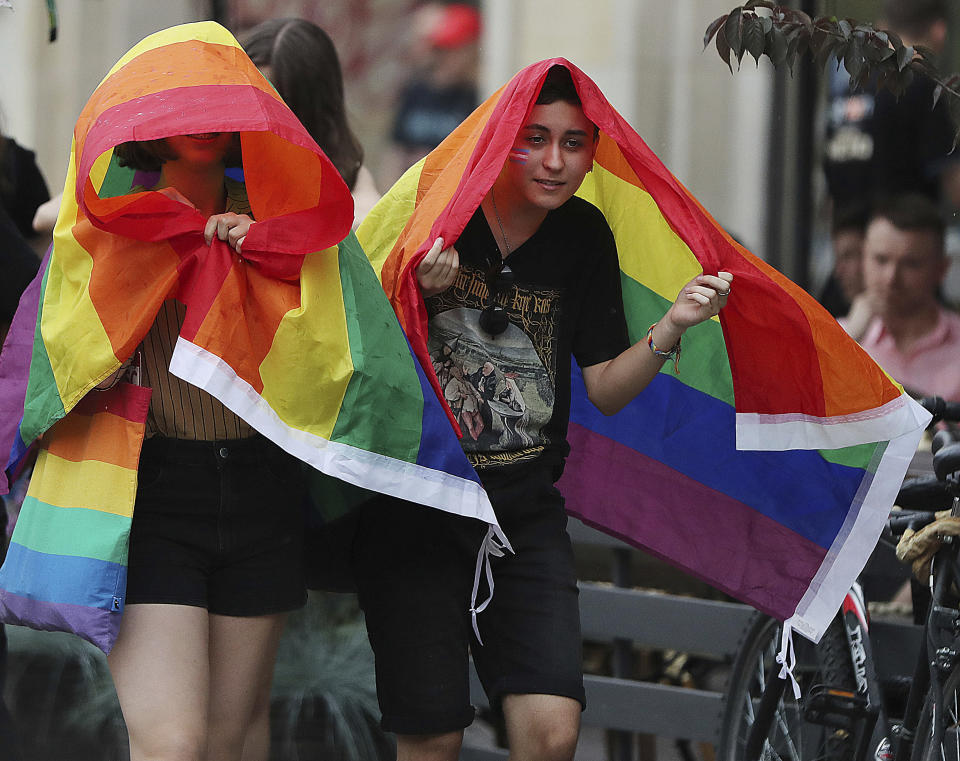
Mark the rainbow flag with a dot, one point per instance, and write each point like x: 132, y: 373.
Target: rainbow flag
x: 66, y: 566
x: 295, y: 335
x: 768, y: 465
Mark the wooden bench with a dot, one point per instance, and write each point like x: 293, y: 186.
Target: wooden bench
x: 626, y: 617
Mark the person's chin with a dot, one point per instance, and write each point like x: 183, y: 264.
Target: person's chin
x: 552, y: 199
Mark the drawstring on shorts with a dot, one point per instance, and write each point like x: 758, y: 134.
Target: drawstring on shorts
x: 494, y: 544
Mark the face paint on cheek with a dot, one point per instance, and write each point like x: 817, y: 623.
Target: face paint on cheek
x: 519, y: 155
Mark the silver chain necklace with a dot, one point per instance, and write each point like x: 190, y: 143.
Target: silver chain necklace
x: 506, y: 243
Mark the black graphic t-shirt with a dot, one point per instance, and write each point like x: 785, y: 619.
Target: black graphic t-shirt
x: 561, y: 292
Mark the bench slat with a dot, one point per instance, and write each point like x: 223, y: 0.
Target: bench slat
x: 662, y: 621
x: 647, y: 707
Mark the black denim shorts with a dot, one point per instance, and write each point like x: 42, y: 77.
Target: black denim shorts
x: 219, y: 525
x: 414, y: 568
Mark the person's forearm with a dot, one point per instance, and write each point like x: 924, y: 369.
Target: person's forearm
x: 613, y: 384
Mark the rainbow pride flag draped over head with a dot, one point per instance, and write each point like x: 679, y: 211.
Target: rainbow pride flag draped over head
x: 767, y: 467
x: 295, y: 335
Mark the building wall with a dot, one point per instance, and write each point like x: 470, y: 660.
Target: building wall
x: 44, y: 85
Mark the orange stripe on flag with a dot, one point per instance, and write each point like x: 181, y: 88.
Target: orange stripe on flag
x: 611, y: 158
x: 265, y: 302
x: 102, y: 438
x: 188, y: 64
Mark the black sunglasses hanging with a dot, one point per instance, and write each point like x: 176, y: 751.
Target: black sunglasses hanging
x: 498, y: 277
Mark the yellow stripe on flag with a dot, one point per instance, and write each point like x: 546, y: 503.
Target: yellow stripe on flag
x: 69, y: 318
x: 108, y: 488
x: 204, y: 31
x: 660, y: 260
x: 317, y: 339
x: 384, y: 224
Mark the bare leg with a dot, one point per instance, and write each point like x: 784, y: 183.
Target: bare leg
x: 160, y: 669
x: 256, y: 744
x: 242, y: 655
x: 541, y: 727
x: 445, y: 747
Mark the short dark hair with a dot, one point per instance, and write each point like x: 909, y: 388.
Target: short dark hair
x: 914, y: 212
x: 914, y: 17
x: 853, y: 215
x: 143, y: 155
x: 558, y: 86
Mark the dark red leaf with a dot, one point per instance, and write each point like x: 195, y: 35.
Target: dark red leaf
x: 723, y: 49
x: 733, y: 32
x: 754, y: 39
x: 776, y: 46
x: 712, y: 30
x: 937, y: 92
x: 904, y: 56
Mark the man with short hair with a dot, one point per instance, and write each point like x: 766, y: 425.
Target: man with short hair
x: 899, y: 319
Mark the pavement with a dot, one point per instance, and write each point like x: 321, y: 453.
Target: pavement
x: 592, y: 745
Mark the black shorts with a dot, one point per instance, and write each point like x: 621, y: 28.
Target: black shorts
x: 218, y: 525
x: 414, y: 568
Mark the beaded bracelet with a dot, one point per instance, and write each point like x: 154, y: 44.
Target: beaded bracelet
x: 673, y: 354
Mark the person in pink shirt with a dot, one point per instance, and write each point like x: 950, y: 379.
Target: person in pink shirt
x: 899, y: 319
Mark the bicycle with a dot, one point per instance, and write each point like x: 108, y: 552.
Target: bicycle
x: 841, y: 713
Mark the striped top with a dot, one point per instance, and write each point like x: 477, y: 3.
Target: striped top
x: 179, y: 409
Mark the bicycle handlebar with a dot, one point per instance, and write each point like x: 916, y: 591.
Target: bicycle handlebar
x: 946, y: 461
x: 900, y: 520
x: 925, y: 493
x: 941, y: 409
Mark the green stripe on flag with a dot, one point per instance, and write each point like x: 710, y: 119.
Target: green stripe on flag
x: 118, y: 181
x: 43, y: 405
x: 703, y: 361
x: 863, y: 456
x: 383, y: 366
x: 73, y: 531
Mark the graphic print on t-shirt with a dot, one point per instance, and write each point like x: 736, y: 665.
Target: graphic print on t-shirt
x: 499, y: 388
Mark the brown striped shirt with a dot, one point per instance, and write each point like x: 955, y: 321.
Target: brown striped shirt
x: 179, y: 409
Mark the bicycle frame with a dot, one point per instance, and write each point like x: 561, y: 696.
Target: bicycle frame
x: 938, y: 650
x: 858, y: 712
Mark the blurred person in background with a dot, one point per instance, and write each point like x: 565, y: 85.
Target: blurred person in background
x: 899, y: 319
x: 444, y: 93
x: 878, y: 145
x: 18, y: 265
x: 22, y: 187
x: 300, y: 60
x: 22, y: 191
x: 846, y: 240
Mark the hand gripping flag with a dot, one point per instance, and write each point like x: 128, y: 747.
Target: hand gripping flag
x: 295, y: 335
x: 768, y: 465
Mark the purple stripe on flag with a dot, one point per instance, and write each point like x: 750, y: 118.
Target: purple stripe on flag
x: 14, y: 373
x: 650, y: 505
x: 98, y: 627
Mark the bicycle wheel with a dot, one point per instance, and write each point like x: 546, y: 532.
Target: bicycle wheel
x: 792, y: 735
x: 924, y: 748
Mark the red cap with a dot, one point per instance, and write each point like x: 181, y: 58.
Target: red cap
x: 458, y: 24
